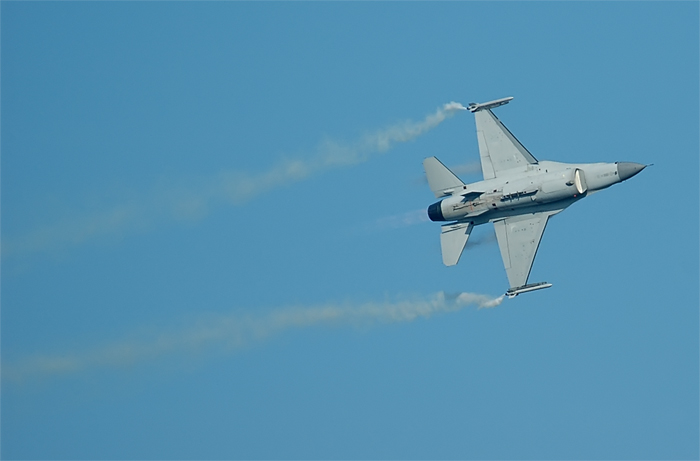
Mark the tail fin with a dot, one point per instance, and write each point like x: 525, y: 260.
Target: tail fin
x: 453, y: 240
x: 441, y: 180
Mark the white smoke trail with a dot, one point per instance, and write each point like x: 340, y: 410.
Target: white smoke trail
x: 177, y: 203
x: 420, y: 216
x: 331, y: 155
x: 480, y: 300
x: 234, y: 331
x: 397, y: 221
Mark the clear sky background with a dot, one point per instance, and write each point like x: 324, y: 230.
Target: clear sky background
x: 214, y: 243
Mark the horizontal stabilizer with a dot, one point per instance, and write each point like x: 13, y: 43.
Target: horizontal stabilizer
x: 453, y: 240
x: 440, y: 179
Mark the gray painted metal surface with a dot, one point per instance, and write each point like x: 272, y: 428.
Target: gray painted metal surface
x: 518, y: 195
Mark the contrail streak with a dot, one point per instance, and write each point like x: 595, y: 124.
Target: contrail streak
x: 331, y: 155
x: 235, y: 331
x: 420, y: 216
x: 237, y: 187
x: 397, y: 221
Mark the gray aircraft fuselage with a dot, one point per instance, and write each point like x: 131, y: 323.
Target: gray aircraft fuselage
x: 537, y: 187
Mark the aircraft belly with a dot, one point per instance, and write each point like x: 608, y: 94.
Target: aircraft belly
x: 550, y: 208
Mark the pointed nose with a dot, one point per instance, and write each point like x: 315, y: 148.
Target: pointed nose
x: 628, y: 169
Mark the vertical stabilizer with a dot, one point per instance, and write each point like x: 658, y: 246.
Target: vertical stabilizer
x: 441, y: 180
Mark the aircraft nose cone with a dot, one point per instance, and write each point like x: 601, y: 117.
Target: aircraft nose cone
x: 628, y: 169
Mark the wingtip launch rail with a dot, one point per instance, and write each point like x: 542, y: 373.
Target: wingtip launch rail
x: 513, y: 292
x: 475, y: 107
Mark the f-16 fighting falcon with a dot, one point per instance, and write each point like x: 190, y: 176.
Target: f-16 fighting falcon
x: 518, y: 195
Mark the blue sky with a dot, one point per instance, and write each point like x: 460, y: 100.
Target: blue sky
x: 213, y: 244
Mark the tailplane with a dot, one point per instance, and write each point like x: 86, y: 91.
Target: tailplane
x: 453, y: 240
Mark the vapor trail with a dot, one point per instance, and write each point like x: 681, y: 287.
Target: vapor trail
x: 397, y: 221
x: 420, y: 216
x: 331, y: 154
x: 167, y: 203
x: 235, y: 331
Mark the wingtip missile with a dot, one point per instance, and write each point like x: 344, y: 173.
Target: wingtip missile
x: 513, y: 292
x: 475, y: 107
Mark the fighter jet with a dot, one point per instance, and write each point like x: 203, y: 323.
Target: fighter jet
x: 518, y: 195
